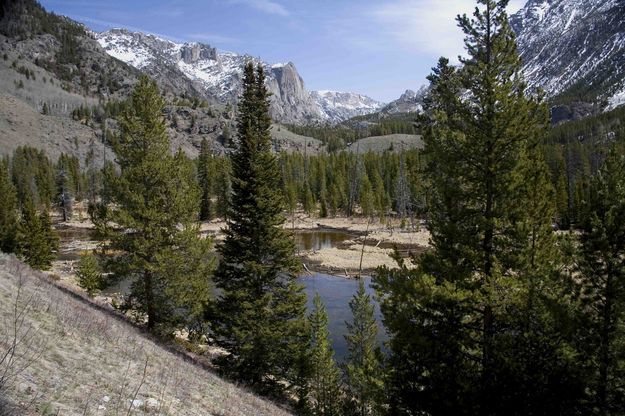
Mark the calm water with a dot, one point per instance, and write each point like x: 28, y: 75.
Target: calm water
x: 317, y: 240
x: 336, y: 292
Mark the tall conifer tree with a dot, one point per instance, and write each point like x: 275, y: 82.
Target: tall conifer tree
x: 324, y: 389
x: 37, y: 241
x: 260, y: 318
x: 8, y: 211
x: 206, y: 177
x: 454, y: 320
x: 150, y: 222
x: 363, y: 370
x: 603, y: 286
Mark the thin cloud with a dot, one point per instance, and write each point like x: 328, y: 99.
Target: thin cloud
x: 265, y: 6
x: 109, y: 24
x: 212, y: 37
x: 426, y: 26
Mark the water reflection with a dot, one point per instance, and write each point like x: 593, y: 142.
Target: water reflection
x: 336, y: 292
x: 318, y: 240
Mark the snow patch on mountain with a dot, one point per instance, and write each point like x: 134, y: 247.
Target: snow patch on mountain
x: 616, y: 100
x: 220, y: 76
x: 338, y: 106
x: 573, y: 47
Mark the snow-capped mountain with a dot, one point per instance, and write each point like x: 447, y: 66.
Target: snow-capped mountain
x: 339, y: 106
x: 218, y: 75
x: 409, y: 102
x: 574, y: 47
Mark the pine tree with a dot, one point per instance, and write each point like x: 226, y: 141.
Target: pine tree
x: 363, y: 370
x: 224, y: 188
x: 64, y: 193
x: 603, y: 286
x: 324, y: 389
x: 37, y: 241
x: 8, y: 211
x: 89, y: 274
x: 155, y: 197
x: 453, y: 319
x: 260, y: 318
x: 402, y: 190
x: 205, y: 179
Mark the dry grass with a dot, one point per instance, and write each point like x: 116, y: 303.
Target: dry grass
x: 78, y: 359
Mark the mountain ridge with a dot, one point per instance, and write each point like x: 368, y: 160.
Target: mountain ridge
x: 218, y: 76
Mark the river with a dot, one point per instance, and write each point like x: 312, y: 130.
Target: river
x: 335, y: 292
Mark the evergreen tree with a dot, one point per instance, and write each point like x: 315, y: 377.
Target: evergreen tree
x: 603, y: 286
x: 89, y: 274
x: 205, y: 179
x: 8, y: 211
x: 363, y: 370
x: 64, y: 194
x: 453, y: 320
x: 153, y: 196
x: 324, y: 389
x: 260, y: 318
x: 37, y: 241
x: 224, y: 190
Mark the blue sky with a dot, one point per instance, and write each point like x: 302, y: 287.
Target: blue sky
x: 375, y: 47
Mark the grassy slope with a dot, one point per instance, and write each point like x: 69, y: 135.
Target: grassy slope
x: 84, y: 361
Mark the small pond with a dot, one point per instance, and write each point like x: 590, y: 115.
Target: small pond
x: 318, y: 240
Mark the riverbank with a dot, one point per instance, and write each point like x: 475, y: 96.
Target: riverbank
x: 341, y: 255
x: 370, y: 246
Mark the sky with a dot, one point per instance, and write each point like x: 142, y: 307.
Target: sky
x: 379, y: 48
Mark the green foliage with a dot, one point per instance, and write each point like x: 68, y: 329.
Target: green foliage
x: 337, y: 137
x: 37, y: 241
x: 33, y: 176
x: 153, y: 203
x: 365, y: 376
x: 324, y: 388
x: 206, y: 175
x: 259, y: 317
x: 89, y: 274
x: 8, y: 211
x: 475, y: 327
x: 603, y: 287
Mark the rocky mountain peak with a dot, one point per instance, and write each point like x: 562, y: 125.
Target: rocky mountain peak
x: 219, y: 74
x: 409, y: 102
x: 193, y: 52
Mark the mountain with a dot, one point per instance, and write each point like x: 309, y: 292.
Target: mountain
x: 574, y: 49
x: 339, y: 106
x: 218, y: 75
x: 409, y: 102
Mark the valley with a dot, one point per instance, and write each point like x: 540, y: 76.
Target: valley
x: 203, y: 211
